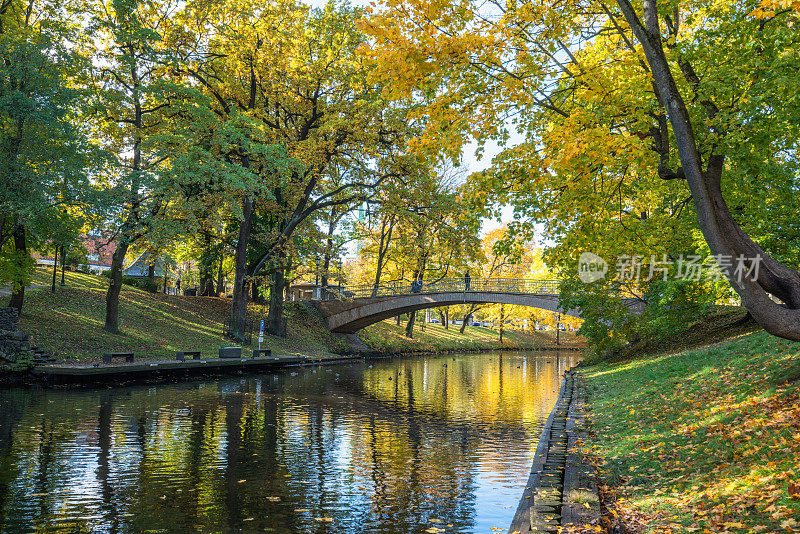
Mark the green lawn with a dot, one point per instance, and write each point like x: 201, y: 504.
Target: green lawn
x: 69, y: 323
x: 704, y: 440
x: 387, y: 337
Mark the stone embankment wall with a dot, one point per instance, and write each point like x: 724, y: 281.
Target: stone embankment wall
x: 14, y: 345
x: 561, y: 492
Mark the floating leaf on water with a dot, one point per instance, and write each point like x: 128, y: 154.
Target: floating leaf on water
x: 324, y: 519
x: 273, y: 499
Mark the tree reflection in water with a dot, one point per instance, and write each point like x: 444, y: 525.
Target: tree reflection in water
x: 387, y: 446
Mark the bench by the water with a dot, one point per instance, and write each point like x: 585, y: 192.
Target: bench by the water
x: 108, y: 357
x: 230, y: 352
x: 181, y: 355
x: 261, y: 352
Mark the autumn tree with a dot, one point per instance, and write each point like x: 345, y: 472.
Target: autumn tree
x: 683, y: 108
x: 286, y: 100
x: 45, y: 153
x: 130, y: 107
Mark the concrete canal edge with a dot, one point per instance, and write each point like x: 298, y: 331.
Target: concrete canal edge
x: 95, y: 374
x: 560, y: 491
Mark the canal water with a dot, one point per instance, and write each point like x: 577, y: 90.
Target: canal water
x: 403, y: 445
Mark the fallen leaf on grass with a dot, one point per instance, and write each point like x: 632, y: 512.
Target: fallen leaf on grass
x: 794, y: 490
x: 790, y: 525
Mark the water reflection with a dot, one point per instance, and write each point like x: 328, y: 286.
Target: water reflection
x: 392, y: 446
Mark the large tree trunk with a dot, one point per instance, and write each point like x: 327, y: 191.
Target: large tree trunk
x: 255, y: 291
x: 206, y: 266
x: 115, y: 286
x: 412, y: 316
x: 238, y: 317
x: 326, y: 264
x: 276, y: 323
x: 21, y: 248
x: 722, y: 233
x: 467, y: 317
x: 464, y: 322
x: 126, y: 235
x: 151, y: 274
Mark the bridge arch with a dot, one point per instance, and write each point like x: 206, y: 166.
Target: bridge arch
x: 350, y: 316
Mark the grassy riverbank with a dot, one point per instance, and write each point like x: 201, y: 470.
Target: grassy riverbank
x: 388, y: 337
x: 705, y: 439
x: 69, y: 323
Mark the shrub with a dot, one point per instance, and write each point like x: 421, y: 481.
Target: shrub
x: 141, y: 283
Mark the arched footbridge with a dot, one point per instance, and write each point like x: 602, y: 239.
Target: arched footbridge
x: 352, y: 308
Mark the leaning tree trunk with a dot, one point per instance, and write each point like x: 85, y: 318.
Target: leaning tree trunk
x: 115, y: 286
x: 412, y: 316
x: 467, y: 317
x: 21, y: 249
x: 464, y: 323
x: 722, y: 233
x: 383, y: 248
x: 238, y: 317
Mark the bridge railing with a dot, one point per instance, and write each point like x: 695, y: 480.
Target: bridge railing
x: 446, y: 285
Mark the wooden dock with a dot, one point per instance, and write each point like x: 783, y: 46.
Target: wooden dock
x: 124, y: 372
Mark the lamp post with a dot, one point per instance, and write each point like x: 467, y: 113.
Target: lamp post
x: 558, y: 329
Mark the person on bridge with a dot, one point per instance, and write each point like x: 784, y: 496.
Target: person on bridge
x: 467, y: 280
x: 416, y: 284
